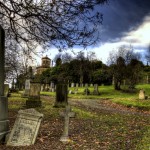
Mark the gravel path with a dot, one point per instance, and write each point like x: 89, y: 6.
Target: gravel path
x: 108, y: 106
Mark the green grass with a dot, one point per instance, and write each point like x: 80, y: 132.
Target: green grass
x: 140, y: 104
x: 116, y: 129
x: 48, y: 93
x: 129, y: 99
x: 16, y: 101
x: 113, y: 130
x: 83, y: 114
x: 145, y: 142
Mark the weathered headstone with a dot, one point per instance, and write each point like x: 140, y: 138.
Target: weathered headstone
x: 141, y: 94
x: 67, y: 114
x: 6, y: 90
x: 52, y: 86
x: 77, y: 85
x: 91, y: 84
x: 72, y: 84
x: 27, y: 88
x: 61, y: 95
x: 42, y: 87
x: 82, y: 85
x: 4, y: 127
x: 86, y: 85
x: 86, y: 90
x: 147, y: 79
x: 26, y: 128
x: 34, y: 96
x: 71, y: 92
x: 96, y: 91
x: 113, y: 80
x: 47, y: 87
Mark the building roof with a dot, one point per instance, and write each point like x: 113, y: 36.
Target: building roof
x: 45, y: 57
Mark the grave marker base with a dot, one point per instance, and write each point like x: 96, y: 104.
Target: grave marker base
x: 4, y: 122
x: 33, y: 102
x: 64, y: 139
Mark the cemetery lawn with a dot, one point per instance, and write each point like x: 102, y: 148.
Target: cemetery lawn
x: 127, y: 99
x: 101, y: 122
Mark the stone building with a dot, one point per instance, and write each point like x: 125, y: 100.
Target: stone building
x: 44, y: 66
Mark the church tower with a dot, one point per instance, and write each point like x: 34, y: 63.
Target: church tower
x: 45, y: 65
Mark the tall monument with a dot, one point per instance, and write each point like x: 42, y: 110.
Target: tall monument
x: 3, y: 100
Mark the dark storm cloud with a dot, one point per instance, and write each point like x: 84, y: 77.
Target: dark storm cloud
x: 121, y: 16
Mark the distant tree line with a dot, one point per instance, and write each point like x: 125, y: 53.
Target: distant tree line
x: 124, y: 69
x: 81, y: 69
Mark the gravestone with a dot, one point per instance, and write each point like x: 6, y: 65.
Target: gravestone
x: 71, y: 92
x: 27, y: 88
x: 86, y: 85
x: 47, y: 87
x: 72, y: 84
x: 42, y: 87
x: 61, y: 95
x: 4, y: 127
x: 82, y: 85
x: 75, y: 90
x: 67, y: 114
x: 86, y: 90
x: 113, y: 80
x: 34, y: 96
x: 91, y: 85
x: 52, y: 86
x: 141, y: 94
x: 26, y: 128
x: 6, y: 90
x: 77, y: 85
x: 96, y: 91
x: 147, y: 79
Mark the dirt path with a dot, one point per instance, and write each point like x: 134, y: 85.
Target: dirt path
x: 108, y: 106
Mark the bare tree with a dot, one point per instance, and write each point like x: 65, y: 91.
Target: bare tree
x: 16, y: 61
x: 126, y: 52
x: 61, y: 23
x: 120, y: 62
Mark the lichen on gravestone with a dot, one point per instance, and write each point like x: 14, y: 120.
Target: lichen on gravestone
x: 25, y: 129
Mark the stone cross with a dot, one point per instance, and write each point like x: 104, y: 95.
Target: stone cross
x: 66, y: 114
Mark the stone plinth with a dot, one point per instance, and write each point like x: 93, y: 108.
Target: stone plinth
x: 4, y: 127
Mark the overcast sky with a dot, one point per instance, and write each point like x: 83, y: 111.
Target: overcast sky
x: 125, y: 22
